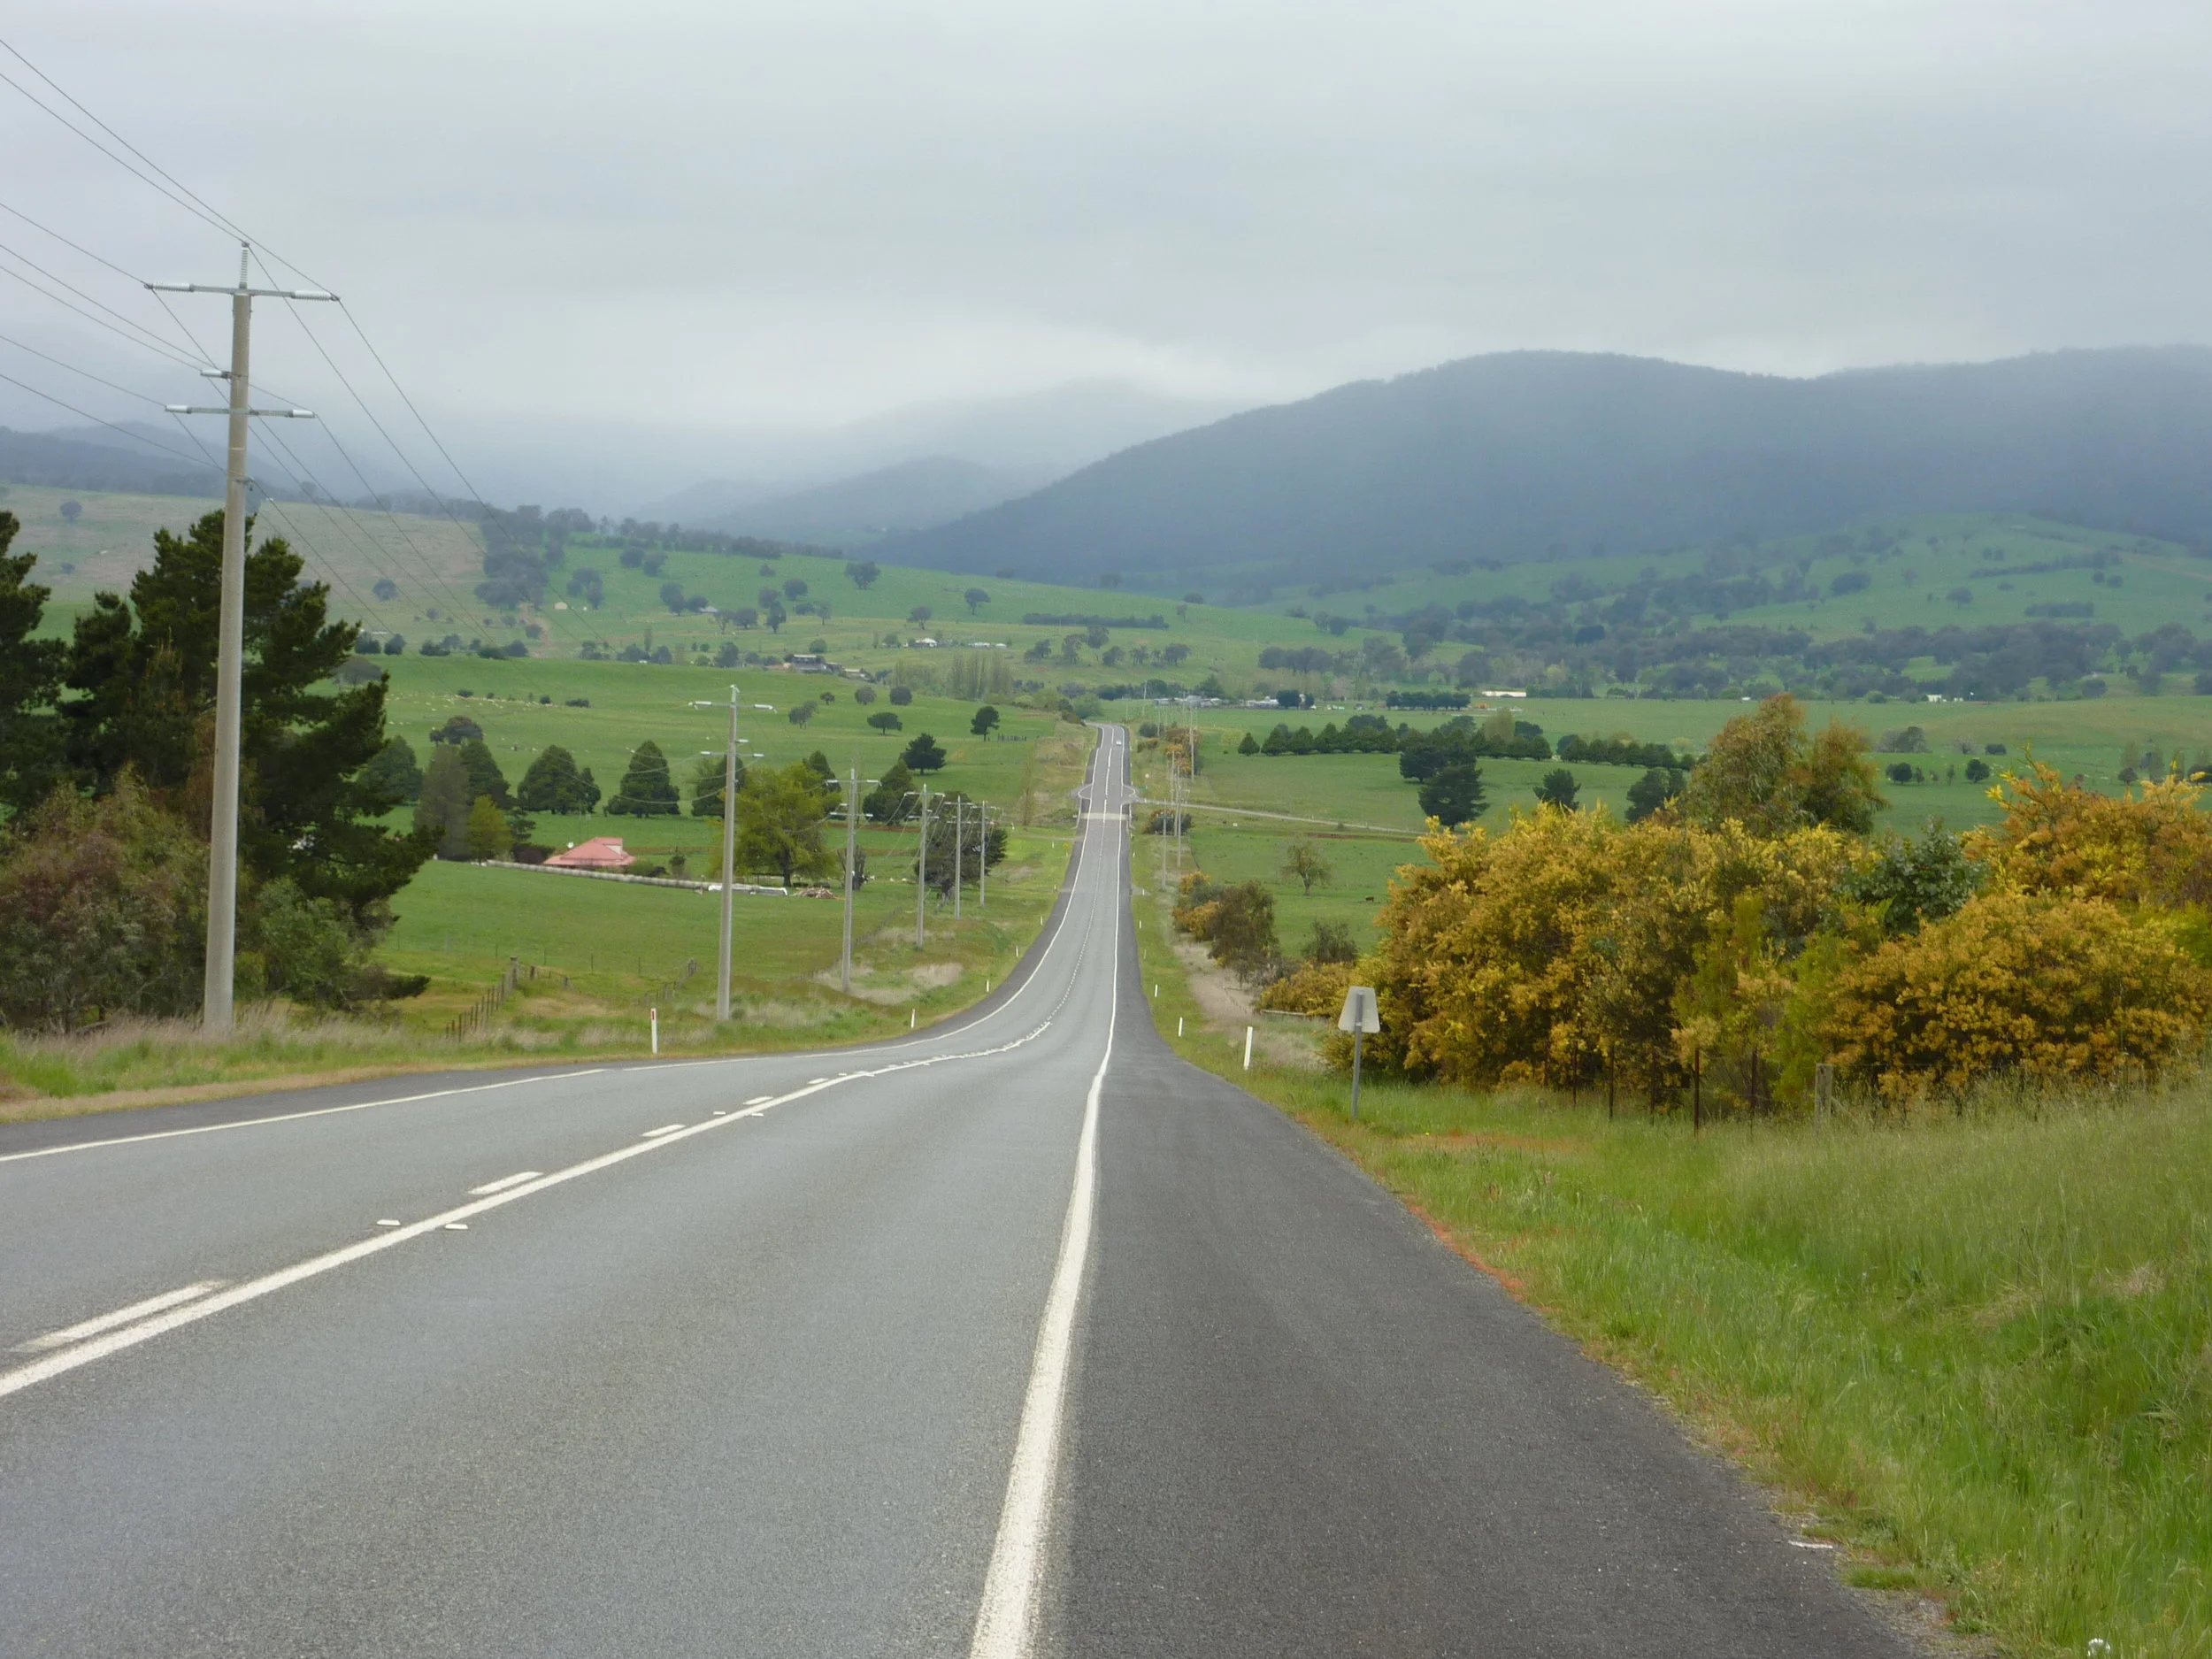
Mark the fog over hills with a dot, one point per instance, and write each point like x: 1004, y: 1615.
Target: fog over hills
x: 1529, y: 455
x: 853, y: 512
x: 1030, y: 438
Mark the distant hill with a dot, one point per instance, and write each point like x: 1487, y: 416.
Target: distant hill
x: 1530, y: 455
x: 70, y: 463
x: 912, y: 495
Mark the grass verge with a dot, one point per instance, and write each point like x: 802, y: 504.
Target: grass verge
x: 1977, y: 1354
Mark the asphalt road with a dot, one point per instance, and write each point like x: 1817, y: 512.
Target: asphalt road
x: 1017, y: 1337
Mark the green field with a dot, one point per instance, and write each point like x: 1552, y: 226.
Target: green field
x: 677, y: 708
x: 2159, y: 582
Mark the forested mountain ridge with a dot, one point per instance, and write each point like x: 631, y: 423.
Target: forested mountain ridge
x: 1525, y: 454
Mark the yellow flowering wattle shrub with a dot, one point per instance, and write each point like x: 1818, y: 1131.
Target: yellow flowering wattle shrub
x: 2046, y: 987
x: 1561, y: 947
x: 2152, y: 848
x: 1313, y: 987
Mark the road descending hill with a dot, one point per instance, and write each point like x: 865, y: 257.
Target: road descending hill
x: 1019, y: 1337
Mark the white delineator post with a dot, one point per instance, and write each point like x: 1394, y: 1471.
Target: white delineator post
x: 216, y: 1006
x: 1247, y: 1047
x: 656, y: 1017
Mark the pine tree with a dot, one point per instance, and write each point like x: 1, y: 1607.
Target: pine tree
x: 143, y: 672
x: 706, y: 786
x: 886, y: 802
x: 441, y: 809
x: 395, y: 771
x: 30, y: 677
x: 552, y: 784
x: 647, y: 790
x: 485, y: 778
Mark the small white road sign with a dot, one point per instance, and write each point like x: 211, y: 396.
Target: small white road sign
x: 1359, y: 1011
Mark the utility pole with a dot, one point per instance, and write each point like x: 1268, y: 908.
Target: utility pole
x: 222, y: 840
x: 921, y: 871
x: 959, y: 854
x: 983, y: 862
x: 729, y: 859
x: 852, y: 834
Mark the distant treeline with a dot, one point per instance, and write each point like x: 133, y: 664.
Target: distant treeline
x: 1423, y: 754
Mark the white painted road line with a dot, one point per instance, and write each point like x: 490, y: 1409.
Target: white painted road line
x: 287, y: 1117
x: 760, y: 1100
x: 121, y: 1315
x: 503, y: 1182
x: 668, y: 1129
x: 1006, y: 1623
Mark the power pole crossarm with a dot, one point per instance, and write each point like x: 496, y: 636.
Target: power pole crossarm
x: 216, y: 1009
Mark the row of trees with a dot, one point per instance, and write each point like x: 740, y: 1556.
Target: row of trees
x: 1733, y: 941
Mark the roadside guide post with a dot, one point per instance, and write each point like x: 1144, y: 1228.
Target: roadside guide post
x: 1359, y: 1017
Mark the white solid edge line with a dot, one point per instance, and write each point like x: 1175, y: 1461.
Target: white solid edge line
x: 84, y: 1328
x: 668, y: 1129
x: 1005, y: 1622
x: 503, y: 1182
x: 287, y: 1117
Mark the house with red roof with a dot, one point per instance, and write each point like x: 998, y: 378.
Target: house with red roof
x: 601, y: 852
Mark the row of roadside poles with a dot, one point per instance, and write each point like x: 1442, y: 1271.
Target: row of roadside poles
x: 961, y: 820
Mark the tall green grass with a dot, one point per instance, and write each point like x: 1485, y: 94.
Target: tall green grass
x: 1978, y: 1352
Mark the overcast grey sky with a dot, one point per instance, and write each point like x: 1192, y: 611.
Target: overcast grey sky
x: 727, y: 217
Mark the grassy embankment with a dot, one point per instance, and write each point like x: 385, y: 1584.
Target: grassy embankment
x: 1977, y: 1354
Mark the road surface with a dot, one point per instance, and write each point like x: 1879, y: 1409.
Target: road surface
x: 1021, y: 1336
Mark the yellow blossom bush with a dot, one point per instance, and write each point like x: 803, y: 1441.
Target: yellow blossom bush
x: 2044, y: 986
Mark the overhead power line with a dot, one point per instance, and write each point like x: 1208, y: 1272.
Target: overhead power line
x: 135, y: 437
x: 125, y: 154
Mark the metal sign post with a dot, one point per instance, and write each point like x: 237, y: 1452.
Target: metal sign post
x: 1359, y: 1017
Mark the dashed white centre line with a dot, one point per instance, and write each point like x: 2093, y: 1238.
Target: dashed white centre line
x: 503, y: 1182
x: 121, y: 1315
x: 665, y: 1129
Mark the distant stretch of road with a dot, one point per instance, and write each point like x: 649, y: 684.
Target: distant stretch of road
x: 1019, y: 1337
